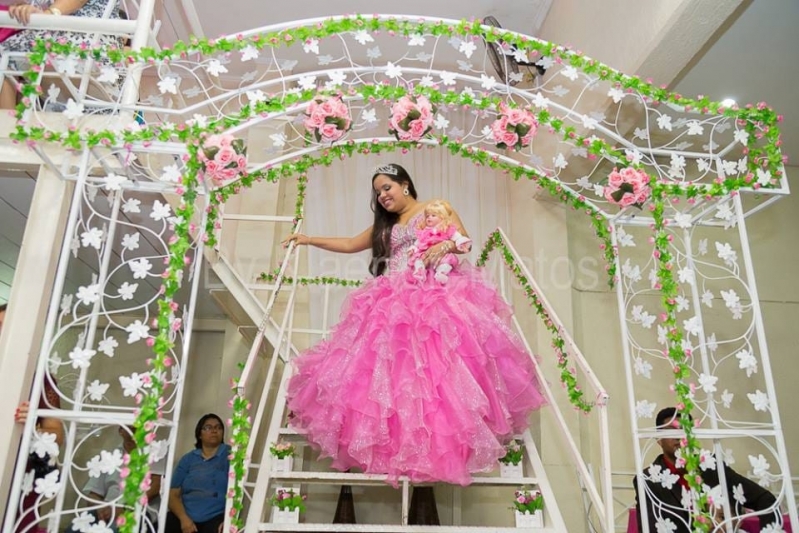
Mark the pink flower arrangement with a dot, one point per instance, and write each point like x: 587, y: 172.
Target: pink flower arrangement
x: 288, y: 500
x: 514, y: 127
x: 411, y: 118
x: 527, y: 501
x: 628, y: 186
x: 327, y: 119
x: 223, y: 158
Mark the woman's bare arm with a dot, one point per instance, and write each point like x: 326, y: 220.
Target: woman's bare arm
x: 343, y: 245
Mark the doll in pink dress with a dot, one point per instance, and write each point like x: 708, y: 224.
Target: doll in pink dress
x: 437, y: 226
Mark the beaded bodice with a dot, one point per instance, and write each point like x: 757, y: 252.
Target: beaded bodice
x: 402, y: 238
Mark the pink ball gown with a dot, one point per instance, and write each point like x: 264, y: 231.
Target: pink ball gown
x: 418, y: 379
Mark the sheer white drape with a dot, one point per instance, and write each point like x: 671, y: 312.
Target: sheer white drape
x: 338, y: 197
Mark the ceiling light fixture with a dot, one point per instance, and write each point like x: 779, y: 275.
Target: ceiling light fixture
x: 728, y: 102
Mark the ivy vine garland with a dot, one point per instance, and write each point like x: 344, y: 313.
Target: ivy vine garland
x: 762, y: 149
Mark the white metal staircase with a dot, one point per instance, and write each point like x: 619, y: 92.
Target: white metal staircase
x: 261, y: 481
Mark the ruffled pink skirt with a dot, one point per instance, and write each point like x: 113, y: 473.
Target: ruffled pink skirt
x: 417, y: 379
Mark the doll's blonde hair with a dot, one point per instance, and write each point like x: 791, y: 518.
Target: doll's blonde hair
x: 442, y: 209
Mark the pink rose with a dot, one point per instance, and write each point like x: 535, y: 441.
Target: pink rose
x: 314, y: 121
x: 510, y: 138
x: 417, y: 128
x: 216, y: 141
x: 615, y: 179
x: 225, y: 156
x: 241, y: 162
x: 330, y: 132
x: 515, y: 116
x: 211, y: 167
x: 499, y: 127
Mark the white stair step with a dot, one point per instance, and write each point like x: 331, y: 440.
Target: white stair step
x: 379, y: 528
x: 343, y: 478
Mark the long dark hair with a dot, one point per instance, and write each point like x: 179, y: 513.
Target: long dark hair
x: 198, y: 429
x: 384, y: 220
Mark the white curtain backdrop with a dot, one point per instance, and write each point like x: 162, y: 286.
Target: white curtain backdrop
x: 337, y: 205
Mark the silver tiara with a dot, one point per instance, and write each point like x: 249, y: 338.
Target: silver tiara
x: 390, y: 170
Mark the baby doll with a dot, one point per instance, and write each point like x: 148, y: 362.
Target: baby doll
x: 437, y: 226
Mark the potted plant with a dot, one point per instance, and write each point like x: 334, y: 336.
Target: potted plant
x: 510, y: 466
x: 529, y: 508
x: 283, y: 454
x: 286, y: 506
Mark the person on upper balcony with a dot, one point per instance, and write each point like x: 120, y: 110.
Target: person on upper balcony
x: 22, y: 41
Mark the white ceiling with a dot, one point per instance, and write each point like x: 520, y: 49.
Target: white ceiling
x: 755, y: 59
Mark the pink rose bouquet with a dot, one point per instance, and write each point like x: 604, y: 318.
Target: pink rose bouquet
x: 513, y: 128
x: 224, y: 159
x: 411, y: 118
x: 628, y: 186
x: 327, y: 119
x: 288, y: 500
x: 528, y: 501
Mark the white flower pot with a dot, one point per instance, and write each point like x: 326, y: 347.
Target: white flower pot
x: 511, y: 471
x: 280, y: 516
x: 284, y: 465
x: 530, y: 520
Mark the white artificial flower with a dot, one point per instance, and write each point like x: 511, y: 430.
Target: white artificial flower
x: 726, y: 253
x: 93, y: 237
x: 467, y: 48
x: 107, y: 346
x: 249, y: 52
x: 157, y: 450
x: 113, y: 182
x: 97, y: 390
x: 643, y: 367
x: 170, y: 173
x: 131, y: 205
x: 416, y: 40
x: 664, y: 122
x: 374, y: 52
x: 759, y: 400
x: 73, y: 110
x: 88, y: 295
x: 81, y: 357
x: 487, y: 82
x: 131, y: 385
x: 616, y: 93
x: 726, y: 398
x: 83, y: 521
x: 130, y: 241
x: 747, y: 361
x: 49, y: 485
x: 160, y: 210
x: 168, y: 85
x: 707, y: 298
x: 311, y: 46
x: 127, y: 290
x: 137, y: 331
x: 44, y: 444
x: 448, y: 78
x: 393, y: 71
x: 140, y: 268
x: 645, y: 409
x: 441, y: 122
x: 692, y: 326
x: 683, y: 304
x: 570, y: 72
x: 708, y: 382
x: 363, y: 37
x: 215, y: 68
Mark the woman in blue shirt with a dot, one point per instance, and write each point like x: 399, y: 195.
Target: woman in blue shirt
x: 199, y: 483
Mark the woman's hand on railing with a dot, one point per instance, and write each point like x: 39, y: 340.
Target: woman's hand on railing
x: 22, y: 12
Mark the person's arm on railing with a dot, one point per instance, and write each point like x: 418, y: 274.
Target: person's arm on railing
x: 22, y: 12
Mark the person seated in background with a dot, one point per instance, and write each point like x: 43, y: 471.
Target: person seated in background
x: 42, y: 465
x: 22, y: 41
x: 199, y: 482
x: 106, y: 488
x: 664, y: 496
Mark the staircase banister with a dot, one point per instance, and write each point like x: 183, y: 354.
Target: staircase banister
x: 601, y: 393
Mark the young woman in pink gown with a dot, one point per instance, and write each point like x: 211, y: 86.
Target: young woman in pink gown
x: 418, y: 379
